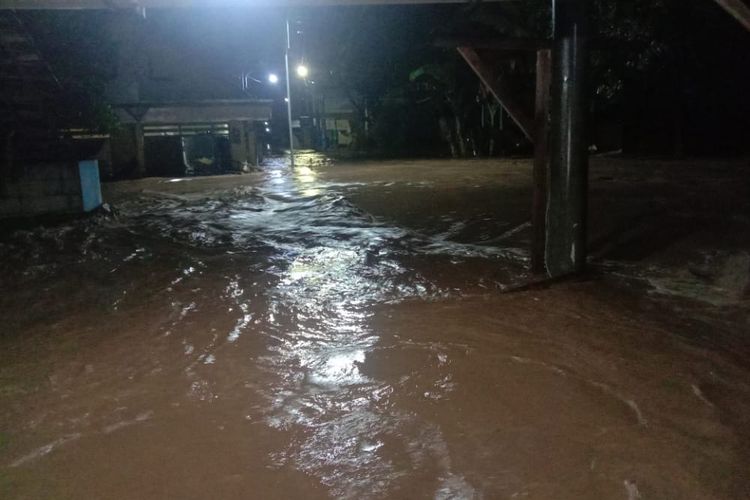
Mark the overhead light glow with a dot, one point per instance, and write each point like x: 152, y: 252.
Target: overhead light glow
x: 273, y: 78
x: 302, y: 71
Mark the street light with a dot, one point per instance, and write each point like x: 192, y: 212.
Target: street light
x: 247, y: 77
x: 302, y: 72
x: 288, y: 93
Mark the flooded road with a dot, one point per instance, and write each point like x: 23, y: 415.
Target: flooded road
x: 340, y: 332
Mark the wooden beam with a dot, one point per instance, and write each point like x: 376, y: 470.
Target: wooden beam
x: 739, y: 9
x: 148, y: 4
x: 499, y: 44
x: 541, y: 161
x: 501, y: 91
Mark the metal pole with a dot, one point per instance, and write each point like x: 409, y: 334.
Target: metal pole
x: 289, y: 93
x: 567, y: 204
x: 541, y: 161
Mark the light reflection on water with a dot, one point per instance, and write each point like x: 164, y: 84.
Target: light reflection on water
x: 334, y: 274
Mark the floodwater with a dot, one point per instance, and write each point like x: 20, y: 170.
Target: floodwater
x: 343, y: 332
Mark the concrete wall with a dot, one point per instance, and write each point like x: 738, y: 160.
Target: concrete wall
x: 244, y: 144
x: 43, y: 189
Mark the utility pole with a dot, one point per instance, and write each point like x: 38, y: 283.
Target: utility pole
x: 289, y: 93
x: 568, y: 170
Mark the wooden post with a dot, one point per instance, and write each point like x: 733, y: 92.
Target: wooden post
x: 738, y: 9
x: 501, y: 92
x: 541, y: 161
x: 140, y: 150
x: 6, y: 161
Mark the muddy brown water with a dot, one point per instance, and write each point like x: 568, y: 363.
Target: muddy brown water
x: 327, y: 332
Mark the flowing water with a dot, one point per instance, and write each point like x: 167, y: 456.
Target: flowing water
x: 272, y: 338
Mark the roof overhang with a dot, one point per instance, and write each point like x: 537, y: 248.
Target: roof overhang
x: 175, y: 113
x: 131, y: 4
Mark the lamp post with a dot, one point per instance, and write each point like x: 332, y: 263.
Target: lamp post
x: 288, y: 93
x: 302, y: 72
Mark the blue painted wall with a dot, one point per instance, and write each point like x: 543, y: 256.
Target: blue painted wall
x: 91, y: 191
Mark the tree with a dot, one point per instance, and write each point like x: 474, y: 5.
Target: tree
x: 82, y: 57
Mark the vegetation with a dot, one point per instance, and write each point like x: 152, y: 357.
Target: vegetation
x: 83, y: 59
x: 666, y: 76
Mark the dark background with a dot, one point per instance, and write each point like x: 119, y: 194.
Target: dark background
x: 667, y: 77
